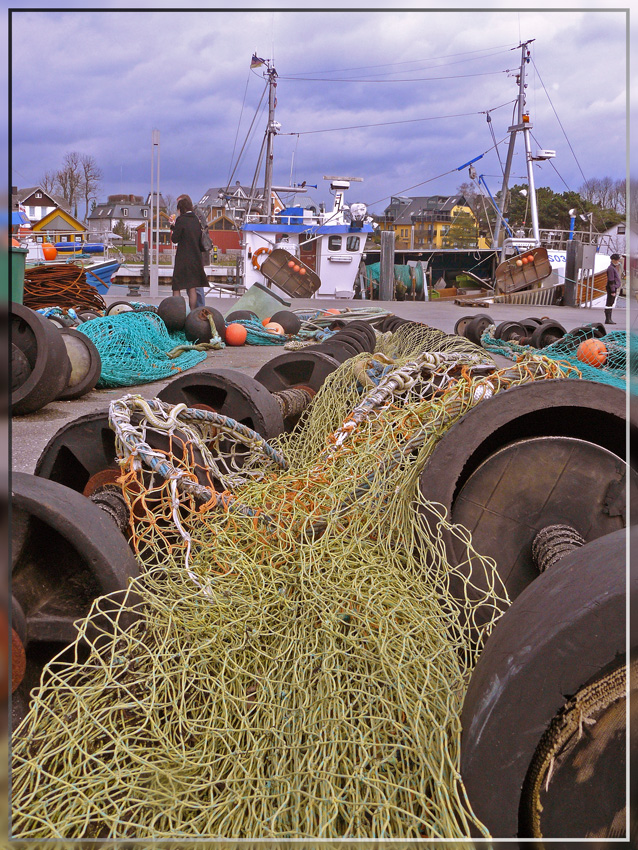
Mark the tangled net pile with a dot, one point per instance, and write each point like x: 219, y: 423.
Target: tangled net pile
x: 295, y: 670
x: 136, y: 348
x: 613, y: 371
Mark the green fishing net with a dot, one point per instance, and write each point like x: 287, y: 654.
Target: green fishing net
x: 298, y: 661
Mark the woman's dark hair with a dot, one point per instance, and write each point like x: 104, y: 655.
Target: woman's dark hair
x: 184, y: 204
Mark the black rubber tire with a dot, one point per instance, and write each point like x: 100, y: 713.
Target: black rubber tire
x: 304, y: 368
x: 546, y: 334
x: 461, y: 324
x: 230, y: 393
x: 582, y: 410
x: 558, y: 635
x: 510, y: 331
x: 65, y: 553
x: 366, y: 328
x: 78, y: 450
x: 86, y: 364
x: 20, y: 367
x: 353, y: 339
x: 476, y: 327
x: 112, y: 310
x: 45, y: 350
x: 333, y: 348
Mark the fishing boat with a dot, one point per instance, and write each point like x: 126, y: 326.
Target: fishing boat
x: 302, y: 252
x: 533, y: 267
x: 99, y: 271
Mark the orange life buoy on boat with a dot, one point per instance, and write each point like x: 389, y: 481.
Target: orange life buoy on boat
x: 257, y: 253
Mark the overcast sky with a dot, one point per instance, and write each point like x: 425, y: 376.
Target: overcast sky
x: 398, y: 98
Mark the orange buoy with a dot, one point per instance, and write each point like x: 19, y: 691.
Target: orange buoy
x: 519, y: 262
x: 332, y: 312
x: 236, y: 334
x: 274, y: 328
x: 49, y: 251
x: 302, y: 270
x: 265, y: 321
x: 296, y: 268
x: 592, y: 352
x: 291, y: 264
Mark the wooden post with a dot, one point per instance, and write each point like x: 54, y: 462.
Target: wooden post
x: 386, y: 270
x: 573, y: 262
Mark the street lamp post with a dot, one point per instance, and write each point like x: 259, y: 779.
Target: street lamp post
x: 154, y: 222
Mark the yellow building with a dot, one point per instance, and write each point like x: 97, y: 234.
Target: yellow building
x: 59, y: 226
x: 435, y: 221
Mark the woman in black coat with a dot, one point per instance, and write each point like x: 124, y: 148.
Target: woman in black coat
x: 188, y: 272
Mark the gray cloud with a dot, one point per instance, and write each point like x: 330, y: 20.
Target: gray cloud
x: 100, y: 82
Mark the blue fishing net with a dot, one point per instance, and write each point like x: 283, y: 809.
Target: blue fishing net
x: 612, y: 371
x: 136, y: 348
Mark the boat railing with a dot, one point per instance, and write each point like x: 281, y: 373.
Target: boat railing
x: 540, y: 297
x: 559, y: 239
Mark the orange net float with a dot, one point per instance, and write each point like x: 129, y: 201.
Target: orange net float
x: 236, y: 334
x: 593, y: 352
x: 274, y: 328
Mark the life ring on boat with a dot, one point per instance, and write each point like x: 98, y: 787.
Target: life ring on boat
x: 258, y: 252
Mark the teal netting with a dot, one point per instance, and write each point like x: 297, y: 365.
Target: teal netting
x: 613, y: 371
x: 136, y: 348
x: 256, y: 335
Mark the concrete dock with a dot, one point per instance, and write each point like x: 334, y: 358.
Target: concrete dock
x: 31, y: 433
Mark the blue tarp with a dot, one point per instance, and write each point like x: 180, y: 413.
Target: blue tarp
x: 18, y: 218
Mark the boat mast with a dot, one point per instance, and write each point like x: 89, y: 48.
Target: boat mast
x: 271, y: 131
x: 522, y: 124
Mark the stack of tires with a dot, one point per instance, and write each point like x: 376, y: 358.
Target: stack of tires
x: 48, y: 362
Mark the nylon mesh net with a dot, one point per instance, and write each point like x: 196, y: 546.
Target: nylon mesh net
x: 295, y: 670
x: 136, y: 348
x: 612, y: 368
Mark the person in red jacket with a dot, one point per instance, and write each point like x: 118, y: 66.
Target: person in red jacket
x: 613, y: 287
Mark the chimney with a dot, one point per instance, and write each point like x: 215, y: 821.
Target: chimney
x: 14, y: 190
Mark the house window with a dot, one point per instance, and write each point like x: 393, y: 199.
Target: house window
x: 352, y: 243
x: 38, y: 194
x: 32, y: 211
x: 124, y: 211
x: 334, y: 243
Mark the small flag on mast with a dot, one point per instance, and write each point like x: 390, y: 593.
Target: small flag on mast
x: 255, y: 62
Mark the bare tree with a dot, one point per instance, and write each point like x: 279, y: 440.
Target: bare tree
x: 69, y: 180
x: 620, y: 196
x: 48, y: 181
x: 601, y: 191
x: 91, y: 176
x: 169, y: 201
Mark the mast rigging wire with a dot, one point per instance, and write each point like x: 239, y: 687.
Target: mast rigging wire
x: 248, y: 134
x: 559, y: 121
x: 389, y: 123
x: 241, y: 113
x: 410, y: 61
x: 407, y: 80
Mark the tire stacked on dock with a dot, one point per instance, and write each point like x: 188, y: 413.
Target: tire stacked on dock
x: 48, y: 362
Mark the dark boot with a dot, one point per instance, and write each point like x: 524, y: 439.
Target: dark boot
x: 608, y: 320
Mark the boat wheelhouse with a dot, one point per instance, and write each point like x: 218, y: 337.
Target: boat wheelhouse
x: 329, y: 244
